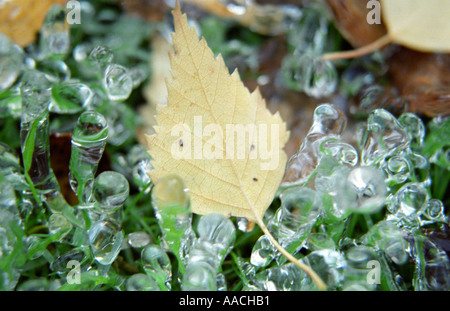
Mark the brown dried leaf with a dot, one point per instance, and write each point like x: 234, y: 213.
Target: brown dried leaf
x: 21, y: 19
x: 350, y: 17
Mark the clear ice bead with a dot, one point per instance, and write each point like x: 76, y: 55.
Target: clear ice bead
x: 55, y: 70
x: 11, y: 62
x: 171, y: 204
x: 358, y: 267
x: 139, y: 159
x: 219, y: 232
x: 319, y: 241
x: 216, y: 237
x: 138, y: 239
x: 311, y: 31
x: 34, y: 137
x: 414, y: 127
x: 287, y: 277
x: 366, y: 188
x: 432, y: 265
x: 117, y: 82
x: 328, y: 122
x: 57, y: 223
x: 398, y: 170
x: 157, y: 265
x: 434, y: 211
x: 141, y: 282
x: 101, y: 56
x: 343, y: 152
x: 293, y: 221
x: 263, y: 252
x: 70, y: 97
x: 370, y: 95
x: 271, y: 19
x: 88, y: 142
x: 384, y: 136
x: 60, y: 264
x: 36, y: 95
x: 407, y: 203
x: 310, y: 74
x: 329, y: 265
x: 111, y: 189
x: 105, y: 239
x: 55, y: 33
x: 199, y: 276
x: 118, y: 116
x: 389, y: 238
x: 330, y: 182
x: 291, y: 225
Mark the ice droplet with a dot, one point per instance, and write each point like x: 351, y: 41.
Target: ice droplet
x: 34, y: 137
x: 55, y: 33
x: 389, y: 238
x: 55, y: 70
x: 287, y: 277
x: 35, y: 91
x: 70, y: 97
x: 365, y: 186
x: 216, y: 237
x: 141, y: 282
x: 343, y: 152
x: 319, y: 240
x: 105, y: 238
x: 432, y: 265
x: 263, y: 252
x: 11, y: 62
x: 171, y: 204
x: 300, y: 208
x: 329, y: 265
x: 311, y: 31
x: 111, y: 189
x: 138, y: 239
x: 88, y: 143
x: 408, y: 200
x: 384, y: 136
x: 217, y: 230
x: 434, y: 210
x: 157, y: 264
x: 328, y: 122
x: 414, y: 127
x: 358, y: 259
x: 310, y: 74
x: 199, y: 276
x: 58, y: 222
x: 101, y: 56
x: 117, y: 82
x: 398, y: 170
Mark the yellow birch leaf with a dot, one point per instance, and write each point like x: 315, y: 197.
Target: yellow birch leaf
x: 222, y: 153
x: 218, y: 137
x: 417, y: 24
